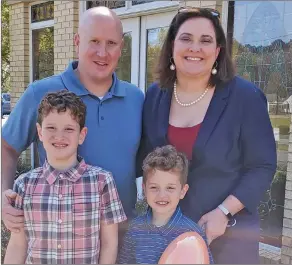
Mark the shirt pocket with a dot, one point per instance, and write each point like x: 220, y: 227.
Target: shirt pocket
x: 85, y: 218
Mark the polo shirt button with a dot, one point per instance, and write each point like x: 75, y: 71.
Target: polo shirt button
x: 60, y: 196
x: 59, y: 246
x: 60, y: 221
x: 102, y: 118
x: 61, y: 176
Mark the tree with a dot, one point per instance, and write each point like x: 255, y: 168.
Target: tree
x: 5, y: 49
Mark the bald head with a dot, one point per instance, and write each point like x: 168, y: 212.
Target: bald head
x: 98, y: 15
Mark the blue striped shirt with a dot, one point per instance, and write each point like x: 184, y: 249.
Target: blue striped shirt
x: 145, y: 243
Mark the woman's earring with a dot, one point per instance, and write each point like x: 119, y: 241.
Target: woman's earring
x: 214, y: 70
x: 172, y: 66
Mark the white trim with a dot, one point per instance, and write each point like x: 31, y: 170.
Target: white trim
x: 147, y: 9
x: 133, y: 25
x: 82, y: 8
x: 138, y: 10
x: 34, y: 26
x: 42, y: 24
x: 224, y: 14
x: 150, y: 22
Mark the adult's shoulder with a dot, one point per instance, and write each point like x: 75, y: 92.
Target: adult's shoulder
x: 245, y: 89
x: 132, y: 90
x: 190, y: 225
x: 41, y: 87
x: 154, y: 89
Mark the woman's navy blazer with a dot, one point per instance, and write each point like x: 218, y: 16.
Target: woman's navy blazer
x: 235, y: 151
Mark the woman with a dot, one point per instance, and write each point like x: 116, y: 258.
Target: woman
x: 221, y: 122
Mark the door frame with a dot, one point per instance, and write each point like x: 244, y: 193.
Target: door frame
x: 132, y: 25
x: 150, y: 22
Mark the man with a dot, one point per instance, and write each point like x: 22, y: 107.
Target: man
x: 114, y: 112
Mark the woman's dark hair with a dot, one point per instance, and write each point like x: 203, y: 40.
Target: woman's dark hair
x: 225, y: 68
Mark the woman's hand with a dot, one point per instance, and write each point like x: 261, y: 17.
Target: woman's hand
x: 215, y: 223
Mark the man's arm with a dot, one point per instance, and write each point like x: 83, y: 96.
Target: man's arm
x: 108, y: 243
x: 17, y: 249
x: 18, y: 132
x: 12, y: 217
x: 9, y: 163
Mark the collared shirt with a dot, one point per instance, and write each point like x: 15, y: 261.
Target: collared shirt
x: 63, y: 212
x: 144, y: 243
x: 114, y: 127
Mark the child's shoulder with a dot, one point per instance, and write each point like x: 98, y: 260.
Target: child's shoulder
x: 29, y: 175
x: 137, y: 223
x: 190, y: 225
x: 96, y: 171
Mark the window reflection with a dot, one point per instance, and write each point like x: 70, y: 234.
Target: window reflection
x: 262, y: 45
x: 124, y: 67
x: 43, y: 52
x: 155, y: 39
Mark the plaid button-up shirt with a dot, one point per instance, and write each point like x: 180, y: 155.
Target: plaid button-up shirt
x: 63, y: 212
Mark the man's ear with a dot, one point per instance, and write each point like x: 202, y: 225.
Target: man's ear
x: 39, y: 129
x: 82, y: 135
x: 76, y: 43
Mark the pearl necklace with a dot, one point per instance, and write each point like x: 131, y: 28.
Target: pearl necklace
x: 190, y: 103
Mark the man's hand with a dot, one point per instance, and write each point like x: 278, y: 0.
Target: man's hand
x: 215, y: 223
x: 12, y: 218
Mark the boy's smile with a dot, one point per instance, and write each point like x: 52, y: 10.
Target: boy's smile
x: 163, y: 191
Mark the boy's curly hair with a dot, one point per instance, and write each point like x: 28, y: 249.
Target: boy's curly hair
x: 166, y: 158
x: 61, y: 101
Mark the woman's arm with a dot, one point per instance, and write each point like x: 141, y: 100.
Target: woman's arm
x: 259, y: 161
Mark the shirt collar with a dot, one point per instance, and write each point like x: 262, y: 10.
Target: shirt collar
x: 167, y: 227
x: 72, y: 174
x: 73, y: 83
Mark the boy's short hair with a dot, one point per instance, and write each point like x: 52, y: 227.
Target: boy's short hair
x: 166, y: 158
x: 61, y: 101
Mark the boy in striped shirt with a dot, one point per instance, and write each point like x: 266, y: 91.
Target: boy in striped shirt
x: 71, y: 209
x: 164, y: 183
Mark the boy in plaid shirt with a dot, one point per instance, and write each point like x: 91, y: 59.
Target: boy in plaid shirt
x: 71, y: 209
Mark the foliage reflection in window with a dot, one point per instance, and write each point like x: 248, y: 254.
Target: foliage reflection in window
x: 43, y: 52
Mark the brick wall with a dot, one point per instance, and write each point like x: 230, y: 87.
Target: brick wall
x: 66, y: 17
x: 19, y: 60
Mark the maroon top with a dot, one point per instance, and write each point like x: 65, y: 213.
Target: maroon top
x: 183, y: 139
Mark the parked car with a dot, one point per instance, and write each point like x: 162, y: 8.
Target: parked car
x: 6, y: 105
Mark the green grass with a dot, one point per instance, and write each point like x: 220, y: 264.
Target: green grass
x: 280, y: 120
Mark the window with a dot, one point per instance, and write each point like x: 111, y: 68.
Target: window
x: 261, y: 36
x: 42, y: 40
x: 109, y: 4
x: 42, y: 12
x: 43, y: 52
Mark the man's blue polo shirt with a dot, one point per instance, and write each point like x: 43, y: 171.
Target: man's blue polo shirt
x: 114, y: 127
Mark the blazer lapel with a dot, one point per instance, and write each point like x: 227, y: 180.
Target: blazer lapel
x: 162, y: 120
x: 214, y: 112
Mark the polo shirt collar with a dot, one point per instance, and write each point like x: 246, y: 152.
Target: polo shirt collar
x: 167, y: 228
x: 73, y: 83
x: 73, y: 174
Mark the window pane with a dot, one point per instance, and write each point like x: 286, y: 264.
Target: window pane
x: 108, y: 3
x: 262, y: 45
x: 138, y: 2
x: 42, y: 12
x: 124, y: 67
x: 43, y: 52
x: 155, y: 39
